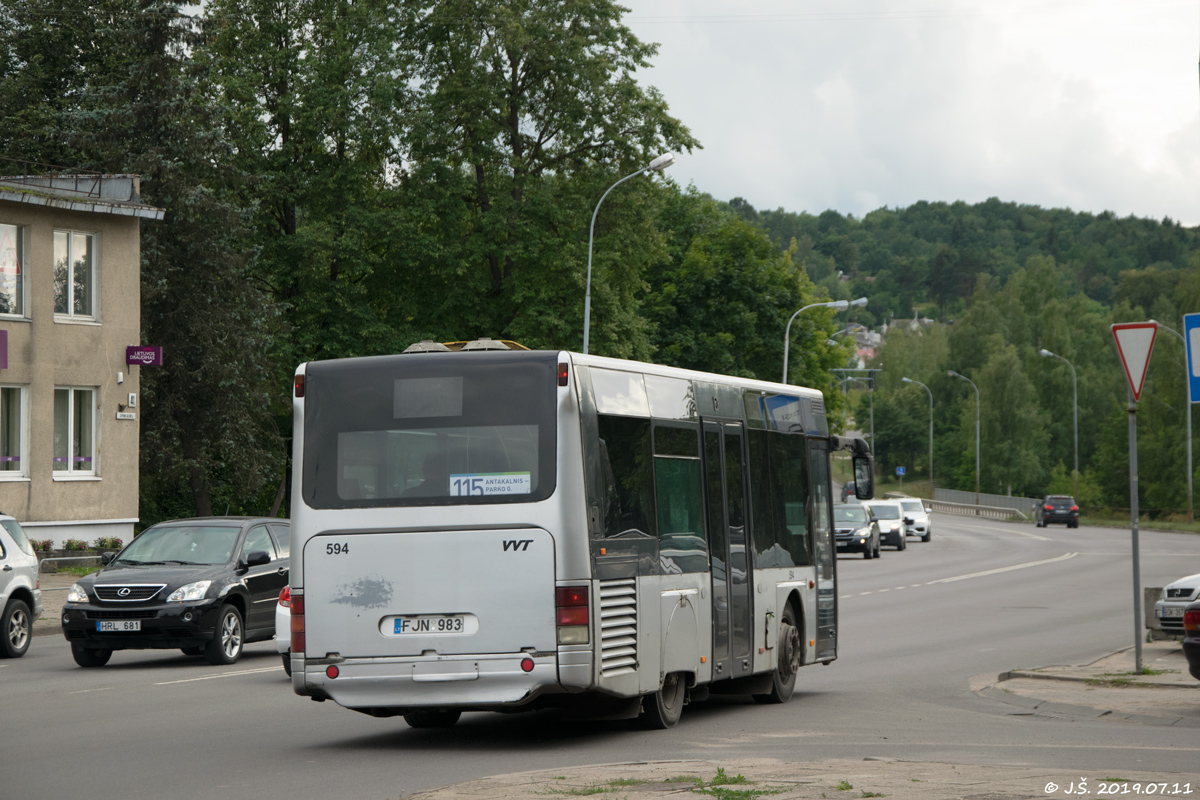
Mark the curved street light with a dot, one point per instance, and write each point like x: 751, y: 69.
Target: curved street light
x: 926, y: 388
x: 836, y: 305
x: 954, y: 374
x: 1075, y: 390
x: 657, y: 165
x: 1186, y: 378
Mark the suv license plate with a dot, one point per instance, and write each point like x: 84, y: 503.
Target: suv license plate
x: 1169, y: 611
x: 119, y: 625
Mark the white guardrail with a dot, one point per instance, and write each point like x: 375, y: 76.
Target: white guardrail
x: 965, y: 510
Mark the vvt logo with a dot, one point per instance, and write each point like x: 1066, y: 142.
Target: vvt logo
x: 517, y: 544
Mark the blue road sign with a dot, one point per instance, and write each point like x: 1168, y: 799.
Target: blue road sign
x: 1191, y: 335
x: 900, y: 471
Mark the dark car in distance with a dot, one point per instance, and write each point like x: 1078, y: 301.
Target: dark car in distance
x: 1058, y: 508
x: 205, y: 586
x: 1191, y: 638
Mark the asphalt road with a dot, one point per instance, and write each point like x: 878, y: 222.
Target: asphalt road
x: 917, y: 625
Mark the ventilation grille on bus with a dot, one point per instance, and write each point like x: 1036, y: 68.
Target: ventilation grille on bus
x: 618, y: 627
x: 818, y: 407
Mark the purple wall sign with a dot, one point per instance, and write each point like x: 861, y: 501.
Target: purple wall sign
x: 3, y: 349
x: 144, y: 356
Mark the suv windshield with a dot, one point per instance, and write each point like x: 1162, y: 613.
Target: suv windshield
x: 888, y: 511
x: 912, y: 505
x: 18, y: 535
x: 181, y: 544
x: 849, y: 514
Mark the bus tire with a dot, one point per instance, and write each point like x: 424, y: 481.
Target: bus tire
x: 662, y: 709
x: 791, y: 656
x: 432, y: 718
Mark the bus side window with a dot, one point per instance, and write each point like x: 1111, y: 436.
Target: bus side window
x: 629, y: 496
x: 679, y: 499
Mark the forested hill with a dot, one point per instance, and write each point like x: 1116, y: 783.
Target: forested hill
x: 929, y: 254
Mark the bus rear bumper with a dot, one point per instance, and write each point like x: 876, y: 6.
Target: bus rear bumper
x: 475, y: 682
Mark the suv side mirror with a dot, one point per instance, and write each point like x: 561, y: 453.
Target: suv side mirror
x: 908, y: 521
x: 256, y: 558
x: 864, y: 477
x: 106, y: 558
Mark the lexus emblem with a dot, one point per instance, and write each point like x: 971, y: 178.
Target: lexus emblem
x: 123, y: 591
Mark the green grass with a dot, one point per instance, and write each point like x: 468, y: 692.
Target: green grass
x: 724, y: 780
x: 584, y: 791
x: 873, y: 794
x: 1143, y: 524
x: 626, y: 782
x: 844, y: 785
x: 77, y: 571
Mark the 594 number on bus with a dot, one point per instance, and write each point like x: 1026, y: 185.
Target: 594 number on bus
x: 337, y: 548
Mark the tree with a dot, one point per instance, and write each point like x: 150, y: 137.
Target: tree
x: 131, y: 106
x: 528, y: 113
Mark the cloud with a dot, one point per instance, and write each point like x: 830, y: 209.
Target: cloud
x: 809, y: 107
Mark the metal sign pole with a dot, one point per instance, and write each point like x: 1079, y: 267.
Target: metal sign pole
x: 1133, y: 503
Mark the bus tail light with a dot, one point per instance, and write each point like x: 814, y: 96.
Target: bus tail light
x: 297, y: 623
x: 571, y: 612
x: 299, y: 384
x: 562, y: 373
x: 1191, y: 621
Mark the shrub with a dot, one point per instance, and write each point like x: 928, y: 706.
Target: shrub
x: 75, y: 544
x: 108, y: 543
x: 42, y: 544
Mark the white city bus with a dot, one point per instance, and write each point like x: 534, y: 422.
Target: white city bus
x: 510, y: 530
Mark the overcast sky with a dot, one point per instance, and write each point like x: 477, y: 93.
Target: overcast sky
x: 857, y: 104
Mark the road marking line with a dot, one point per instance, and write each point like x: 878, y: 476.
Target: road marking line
x: 85, y: 691
x: 1033, y: 536
x: 862, y: 593
x: 885, y: 590
x: 221, y: 675
x: 1003, y: 569
x: 898, y: 588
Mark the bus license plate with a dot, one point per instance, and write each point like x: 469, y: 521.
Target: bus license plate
x: 119, y: 625
x: 426, y: 624
x: 1169, y: 611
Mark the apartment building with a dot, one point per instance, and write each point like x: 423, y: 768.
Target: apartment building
x: 70, y: 306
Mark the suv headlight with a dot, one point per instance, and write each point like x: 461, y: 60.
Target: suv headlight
x: 189, y: 593
x: 76, y: 594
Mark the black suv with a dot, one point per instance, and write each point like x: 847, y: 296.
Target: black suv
x: 205, y: 586
x: 1058, y: 508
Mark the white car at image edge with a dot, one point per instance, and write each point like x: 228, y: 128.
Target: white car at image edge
x: 1173, y: 599
x: 20, y: 589
x: 283, y: 628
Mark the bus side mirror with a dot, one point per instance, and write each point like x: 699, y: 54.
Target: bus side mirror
x: 864, y: 477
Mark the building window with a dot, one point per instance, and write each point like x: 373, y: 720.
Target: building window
x: 74, y: 274
x: 12, y: 432
x: 74, y: 426
x: 12, y: 263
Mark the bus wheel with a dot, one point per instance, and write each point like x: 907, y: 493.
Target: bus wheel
x: 791, y: 651
x: 432, y: 718
x: 662, y: 709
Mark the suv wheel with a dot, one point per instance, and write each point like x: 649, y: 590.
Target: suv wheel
x: 16, y: 628
x: 226, y: 644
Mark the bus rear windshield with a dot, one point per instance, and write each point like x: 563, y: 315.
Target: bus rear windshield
x: 430, y: 429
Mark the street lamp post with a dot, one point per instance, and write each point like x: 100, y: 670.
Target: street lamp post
x: 954, y: 374
x: 926, y: 388
x: 1188, y: 403
x: 1075, y: 391
x: 837, y: 305
x: 657, y: 165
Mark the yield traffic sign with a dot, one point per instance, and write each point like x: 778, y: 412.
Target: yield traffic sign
x: 1135, y: 342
